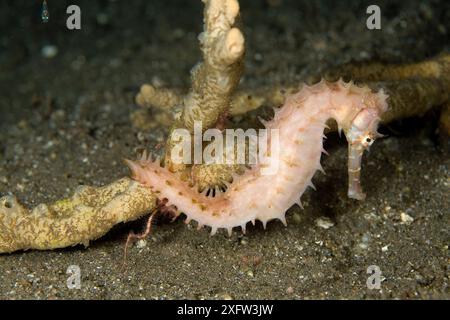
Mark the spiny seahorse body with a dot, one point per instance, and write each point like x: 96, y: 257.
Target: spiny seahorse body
x: 257, y: 196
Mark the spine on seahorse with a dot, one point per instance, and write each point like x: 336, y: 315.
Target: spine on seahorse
x: 300, y: 123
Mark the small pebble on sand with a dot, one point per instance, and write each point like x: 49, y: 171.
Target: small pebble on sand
x: 49, y: 51
x: 406, y: 218
x: 141, y: 244
x: 324, y: 222
x: 226, y: 296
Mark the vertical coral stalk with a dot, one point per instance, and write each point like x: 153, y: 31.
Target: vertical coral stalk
x: 216, y: 77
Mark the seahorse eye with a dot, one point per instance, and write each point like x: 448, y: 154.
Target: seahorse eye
x: 367, y: 140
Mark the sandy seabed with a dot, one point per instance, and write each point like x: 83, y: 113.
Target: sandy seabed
x: 65, y: 121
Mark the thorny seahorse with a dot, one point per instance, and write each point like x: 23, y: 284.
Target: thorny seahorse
x: 301, y: 122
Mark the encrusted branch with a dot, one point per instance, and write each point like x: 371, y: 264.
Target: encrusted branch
x: 215, y: 78
x: 161, y: 98
x: 414, y: 88
x: 436, y: 68
x: 87, y: 215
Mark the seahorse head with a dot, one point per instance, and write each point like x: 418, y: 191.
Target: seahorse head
x: 361, y: 135
x: 363, y: 129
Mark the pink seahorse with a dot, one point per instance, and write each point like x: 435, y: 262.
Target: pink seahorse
x: 301, y: 122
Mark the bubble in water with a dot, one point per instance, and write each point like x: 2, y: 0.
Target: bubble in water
x: 44, y: 12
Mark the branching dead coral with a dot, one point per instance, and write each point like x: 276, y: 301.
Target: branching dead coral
x: 87, y: 215
x: 214, y: 79
x: 91, y: 212
x: 413, y: 88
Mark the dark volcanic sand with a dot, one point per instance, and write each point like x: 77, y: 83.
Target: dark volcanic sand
x: 65, y: 121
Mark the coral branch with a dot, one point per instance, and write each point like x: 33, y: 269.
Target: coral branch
x: 437, y: 67
x: 215, y: 78
x: 160, y: 98
x: 414, y: 88
x: 86, y: 216
x: 412, y: 97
